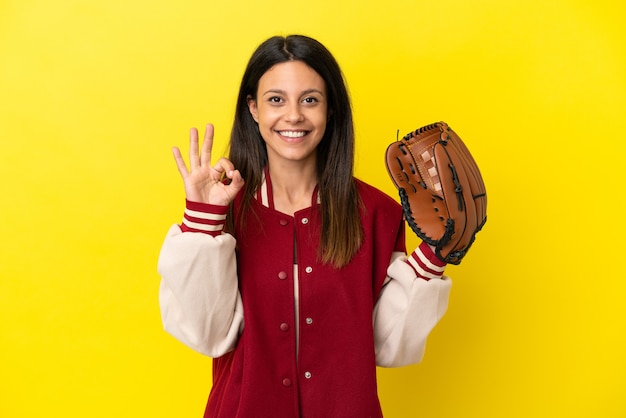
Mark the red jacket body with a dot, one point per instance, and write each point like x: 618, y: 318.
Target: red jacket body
x: 329, y: 370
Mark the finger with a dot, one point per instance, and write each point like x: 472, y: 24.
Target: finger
x: 223, y: 166
x: 180, y: 162
x: 236, y: 178
x: 207, y: 146
x: 236, y: 181
x: 194, y: 159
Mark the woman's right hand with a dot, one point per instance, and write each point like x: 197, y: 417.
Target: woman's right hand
x: 204, y: 182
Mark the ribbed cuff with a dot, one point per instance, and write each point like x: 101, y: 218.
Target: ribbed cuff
x: 425, y: 263
x: 203, y: 217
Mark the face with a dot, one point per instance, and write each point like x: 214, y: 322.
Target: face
x: 291, y: 110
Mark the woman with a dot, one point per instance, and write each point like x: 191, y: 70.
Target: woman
x: 287, y: 270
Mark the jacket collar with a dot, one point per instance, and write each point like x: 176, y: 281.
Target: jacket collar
x: 265, y: 196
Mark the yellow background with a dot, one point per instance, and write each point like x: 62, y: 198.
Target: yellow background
x: 95, y: 93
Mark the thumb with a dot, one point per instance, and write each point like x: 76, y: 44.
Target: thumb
x: 236, y: 181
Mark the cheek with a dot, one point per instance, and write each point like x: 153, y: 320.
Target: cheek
x: 266, y: 121
x: 322, y: 121
x: 267, y: 115
x: 319, y: 118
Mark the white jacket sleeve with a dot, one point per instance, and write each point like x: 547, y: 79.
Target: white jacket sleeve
x: 199, y: 294
x: 407, y: 310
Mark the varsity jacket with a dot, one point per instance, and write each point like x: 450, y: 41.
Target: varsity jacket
x: 298, y: 340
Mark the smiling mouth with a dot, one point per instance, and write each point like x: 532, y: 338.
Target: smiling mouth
x: 293, y: 134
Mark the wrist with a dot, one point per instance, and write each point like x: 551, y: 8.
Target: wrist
x: 204, y: 217
x: 425, y: 262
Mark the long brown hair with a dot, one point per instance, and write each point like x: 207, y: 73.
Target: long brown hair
x: 341, y: 231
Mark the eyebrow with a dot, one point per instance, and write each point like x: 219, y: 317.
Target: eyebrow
x: 307, y: 91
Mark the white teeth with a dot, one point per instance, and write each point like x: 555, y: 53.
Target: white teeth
x: 293, y: 134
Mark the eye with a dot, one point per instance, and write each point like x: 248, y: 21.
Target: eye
x: 310, y: 100
x: 275, y: 99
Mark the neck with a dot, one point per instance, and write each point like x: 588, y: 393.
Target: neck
x: 292, y: 186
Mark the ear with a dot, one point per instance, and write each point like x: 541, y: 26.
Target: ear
x: 253, y: 109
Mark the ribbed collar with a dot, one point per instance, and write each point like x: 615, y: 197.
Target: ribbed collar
x: 265, y: 195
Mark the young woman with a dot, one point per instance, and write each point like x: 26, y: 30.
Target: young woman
x: 288, y: 271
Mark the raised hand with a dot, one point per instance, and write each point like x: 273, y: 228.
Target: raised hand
x: 204, y: 182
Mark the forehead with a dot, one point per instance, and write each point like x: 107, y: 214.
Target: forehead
x: 291, y: 76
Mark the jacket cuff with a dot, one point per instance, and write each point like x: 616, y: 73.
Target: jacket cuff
x: 425, y: 263
x: 203, y: 217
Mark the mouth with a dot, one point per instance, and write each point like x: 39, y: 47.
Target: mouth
x: 293, y: 134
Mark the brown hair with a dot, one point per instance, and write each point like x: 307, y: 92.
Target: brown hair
x: 341, y: 231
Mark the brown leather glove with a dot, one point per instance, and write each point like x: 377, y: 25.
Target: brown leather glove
x: 441, y: 189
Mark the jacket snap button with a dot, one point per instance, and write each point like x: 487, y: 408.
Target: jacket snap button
x: 282, y: 275
x: 308, y: 269
x: 305, y: 221
x: 307, y: 375
x: 284, y: 222
x: 286, y: 382
x: 309, y: 321
x: 284, y: 326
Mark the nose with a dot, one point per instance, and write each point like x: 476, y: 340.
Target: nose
x: 294, y: 113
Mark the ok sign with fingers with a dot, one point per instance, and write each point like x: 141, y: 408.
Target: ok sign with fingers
x: 204, y: 182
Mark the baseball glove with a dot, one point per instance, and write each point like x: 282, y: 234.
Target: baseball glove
x: 441, y: 190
